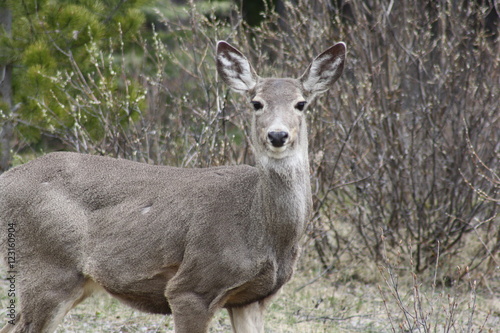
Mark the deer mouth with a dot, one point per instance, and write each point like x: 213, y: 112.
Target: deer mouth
x: 278, y: 151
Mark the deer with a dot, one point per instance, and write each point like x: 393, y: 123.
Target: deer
x: 185, y: 242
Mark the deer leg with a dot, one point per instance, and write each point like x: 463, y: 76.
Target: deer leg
x: 44, y: 302
x: 9, y: 327
x: 248, y: 319
x: 191, y: 312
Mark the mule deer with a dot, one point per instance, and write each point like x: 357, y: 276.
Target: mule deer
x: 167, y: 240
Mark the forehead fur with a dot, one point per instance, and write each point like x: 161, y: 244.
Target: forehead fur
x: 278, y: 89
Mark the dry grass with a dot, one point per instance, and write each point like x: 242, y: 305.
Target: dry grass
x: 353, y: 297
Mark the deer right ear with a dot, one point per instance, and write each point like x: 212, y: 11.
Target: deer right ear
x: 234, y: 68
x: 324, y: 70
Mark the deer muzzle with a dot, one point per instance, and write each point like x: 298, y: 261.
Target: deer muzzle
x: 278, y: 138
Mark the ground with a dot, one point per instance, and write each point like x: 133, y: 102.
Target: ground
x: 313, y: 302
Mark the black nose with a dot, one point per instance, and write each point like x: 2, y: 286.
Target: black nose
x: 277, y: 139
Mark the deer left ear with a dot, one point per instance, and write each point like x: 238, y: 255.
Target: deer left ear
x: 324, y: 70
x: 234, y: 68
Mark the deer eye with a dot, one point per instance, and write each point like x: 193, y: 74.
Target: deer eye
x: 257, y: 105
x: 300, y: 105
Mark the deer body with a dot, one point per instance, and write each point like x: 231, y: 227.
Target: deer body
x: 163, y: 239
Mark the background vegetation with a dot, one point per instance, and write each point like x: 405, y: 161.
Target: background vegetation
x: 404, y: 150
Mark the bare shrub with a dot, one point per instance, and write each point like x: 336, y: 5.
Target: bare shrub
x: 395, y: 160
x: 417, y: 307
x: 162, y: 107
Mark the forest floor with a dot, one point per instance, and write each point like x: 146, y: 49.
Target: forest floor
x: 350, y: 299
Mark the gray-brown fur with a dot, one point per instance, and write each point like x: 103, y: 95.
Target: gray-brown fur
x: 168, y: 240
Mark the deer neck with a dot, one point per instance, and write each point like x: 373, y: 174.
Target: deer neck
x: 285, y: 196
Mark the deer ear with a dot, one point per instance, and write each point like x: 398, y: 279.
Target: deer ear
x: 324, y: 70
x: 234, y: 68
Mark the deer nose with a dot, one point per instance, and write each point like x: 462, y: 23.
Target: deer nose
x: 277, y: 139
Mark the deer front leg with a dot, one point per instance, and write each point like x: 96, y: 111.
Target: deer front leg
x: 191, y: 312
x: 248, y: 319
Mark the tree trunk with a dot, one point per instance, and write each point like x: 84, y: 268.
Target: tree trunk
x: 6, y: 132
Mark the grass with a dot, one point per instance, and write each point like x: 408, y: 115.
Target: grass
x: 355, y: 297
